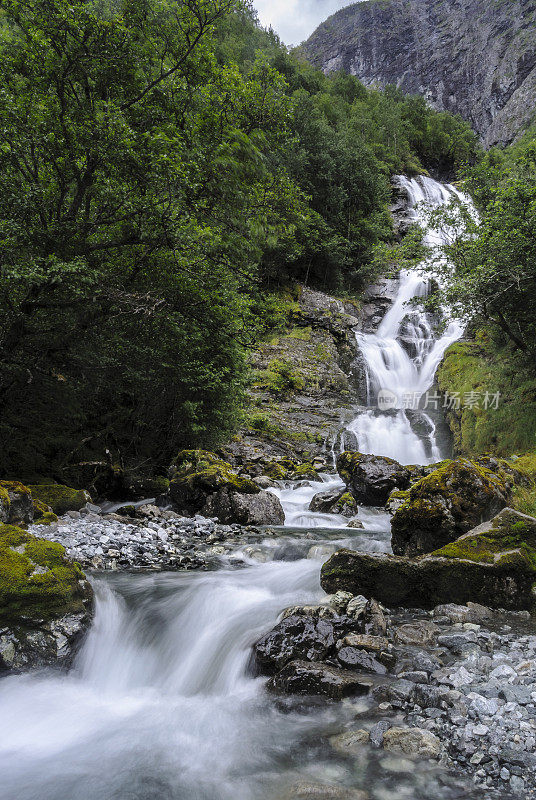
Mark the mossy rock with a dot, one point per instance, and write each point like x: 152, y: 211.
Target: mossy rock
x: 346, y: 505
x: 48, y: 518
x: 510, y: 532
x: 304, y: 471
x: 275, y: 471
x: 37, y: 580
x: 452, y: 499
x: 197, y: 474
x: 126, y: 511
x: 501, y: 579
x: 5, y: 503
x: 16, y: 504
x: 371, y: 479
x: 396, y: 500
x: 60, y: 498
x: 43, y: 514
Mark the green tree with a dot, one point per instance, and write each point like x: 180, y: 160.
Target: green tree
x: 490, y: 268
x: 136, y: 199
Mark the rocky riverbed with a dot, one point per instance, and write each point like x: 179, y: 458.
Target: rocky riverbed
x: 462, y: 693
x: 154, y: 539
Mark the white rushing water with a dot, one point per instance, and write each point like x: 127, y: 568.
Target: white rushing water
x: 402, y: 356
x: 160, y: 704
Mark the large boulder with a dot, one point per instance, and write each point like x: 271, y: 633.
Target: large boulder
x: 262, y: 508
x: 197, y: 474
x: 16, y: 504
x: 45, y: 601
x: 371, y: 479
x: 60, y: 498
x: 494, y: 565
x: 447, y: 503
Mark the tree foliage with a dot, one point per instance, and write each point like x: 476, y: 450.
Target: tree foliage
x: 490, y: 271
x: 162, y: 162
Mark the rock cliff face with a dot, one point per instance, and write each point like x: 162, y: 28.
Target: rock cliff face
x: 476, y: 58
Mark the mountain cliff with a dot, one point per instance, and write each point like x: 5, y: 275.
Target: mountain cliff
x: 476, y: 58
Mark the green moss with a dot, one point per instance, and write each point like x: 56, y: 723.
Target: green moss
x: 485, y: 366
x: 204, y: 471
x: 345, y: 504
x: 48, y: 518
x: 303, y: 334
x: 506, y: 536
x: 399, y: 494
x: 60, y: 498
x: 40, y: 508
x: 275, y: 471
x: 36, y: 579
x: 281, y: 378
x: 304, y: 471
x: 524, y: 500
x: 5, y: 502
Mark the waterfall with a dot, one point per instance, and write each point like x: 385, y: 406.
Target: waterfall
x: 402, y: 356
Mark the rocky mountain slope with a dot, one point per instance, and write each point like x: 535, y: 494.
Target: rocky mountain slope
x: 472, y: 57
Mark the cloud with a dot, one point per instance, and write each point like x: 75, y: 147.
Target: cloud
x: 295, y: 20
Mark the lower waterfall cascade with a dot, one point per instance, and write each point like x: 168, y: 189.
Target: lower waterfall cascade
x: 160, y: 703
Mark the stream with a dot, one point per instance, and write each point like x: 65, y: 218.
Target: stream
x: 161, y: 703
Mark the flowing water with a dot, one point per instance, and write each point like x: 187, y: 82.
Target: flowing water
x: 160, y: 704
x: 402, y: 356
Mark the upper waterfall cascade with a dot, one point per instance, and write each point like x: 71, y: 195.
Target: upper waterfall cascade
x: 402, y: 356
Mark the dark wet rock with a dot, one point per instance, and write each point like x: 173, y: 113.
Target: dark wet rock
x: 374, y: 618
x: 427, y: 696
x: 425, y: 662
x: 377, y: 732
x: 400, y: 691
x: 371, y: 479
x: 295, y: 637
x: 313, y: 678
x: 334, y: 501
x: 198, y: 474
x: 203, y: 482
x: 360, y: 660
x: 323, y: 501
x: 459, y: 643
x: 447, y: 503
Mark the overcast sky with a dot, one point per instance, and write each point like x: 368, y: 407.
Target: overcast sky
x: 295, y: 20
